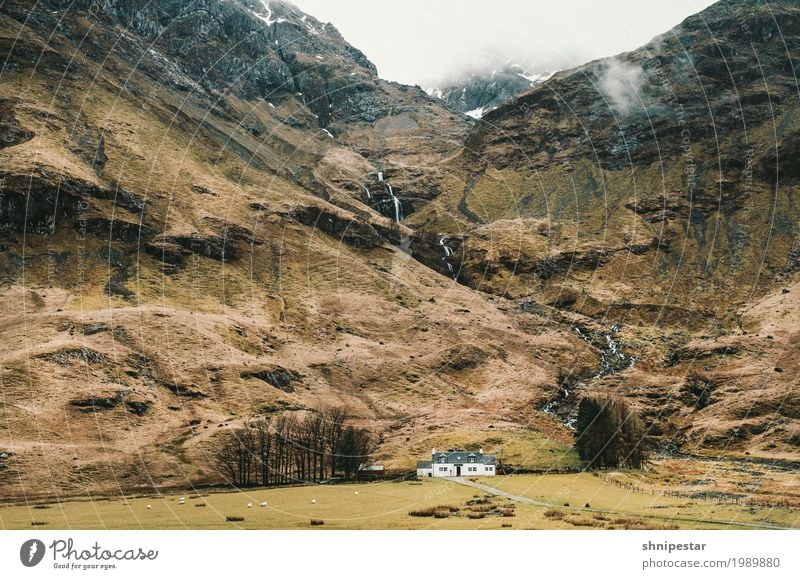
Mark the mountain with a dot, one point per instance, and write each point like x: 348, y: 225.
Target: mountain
x: 215, y: 210
x: 478, y: 93
x: 655, y: 190
x: 198, y: 226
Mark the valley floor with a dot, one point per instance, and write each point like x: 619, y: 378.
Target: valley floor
x: 619, y: 500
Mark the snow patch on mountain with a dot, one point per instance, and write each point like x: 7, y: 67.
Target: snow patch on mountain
x: 478, y: 93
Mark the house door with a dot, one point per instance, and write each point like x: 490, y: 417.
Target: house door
x: 458, y: 471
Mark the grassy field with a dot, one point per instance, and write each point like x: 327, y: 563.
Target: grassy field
x: 585, y: 490
x: 443, y: 504
x: 518, y: 448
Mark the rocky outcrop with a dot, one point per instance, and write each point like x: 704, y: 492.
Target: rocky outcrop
x: 11, y: 130
x: 40, y: 202
x: 356, y: 233
x: 92, y: 404
x: 117, y: 229
x: 276, y: 376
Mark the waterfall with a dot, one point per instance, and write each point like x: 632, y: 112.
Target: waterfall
x: 366, y: 190
x: 398, y: 209
x: 448, y: 251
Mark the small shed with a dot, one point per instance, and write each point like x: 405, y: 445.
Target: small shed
x: 371, y: 470
x: 424, y: 468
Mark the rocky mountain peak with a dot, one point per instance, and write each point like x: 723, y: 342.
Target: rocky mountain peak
x: 477, y: 93
x: 253, y: 48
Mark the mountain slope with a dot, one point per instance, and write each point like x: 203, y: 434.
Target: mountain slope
x: 654, y: 190
x: 183, y: 248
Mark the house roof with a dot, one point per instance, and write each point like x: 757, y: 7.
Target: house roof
x: 463, y: 456
x: 424, y: 464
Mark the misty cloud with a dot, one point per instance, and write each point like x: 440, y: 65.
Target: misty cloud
x: 427, y: 43
x: 621, y: 83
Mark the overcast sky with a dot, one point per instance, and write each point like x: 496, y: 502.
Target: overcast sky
x: 426, y: 41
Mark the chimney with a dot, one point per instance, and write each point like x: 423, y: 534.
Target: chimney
x: 433, y: 452
x: 481, y: 451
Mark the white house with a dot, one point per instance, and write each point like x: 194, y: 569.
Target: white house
x: 457, y: 463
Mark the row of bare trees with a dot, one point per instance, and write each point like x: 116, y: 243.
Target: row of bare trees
x: 288, y: 449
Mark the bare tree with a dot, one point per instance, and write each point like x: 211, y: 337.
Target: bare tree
x: 356, y: 447
x: 236, y: 456
x: 335, y: 419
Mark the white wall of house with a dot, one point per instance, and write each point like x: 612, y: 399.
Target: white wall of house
x: 467, y: 469
x: 440, y: 469
x: 424, y: 472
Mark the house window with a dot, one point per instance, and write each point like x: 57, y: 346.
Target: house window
x: 441, y: 458
x: 442, y: 469
x: 472, y: 459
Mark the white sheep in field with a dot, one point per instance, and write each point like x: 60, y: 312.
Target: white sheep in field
x: 313, y: 501
x: 149, y: 507
x: 264, y: 504
x: 249, y: 505
x: 355, y: 493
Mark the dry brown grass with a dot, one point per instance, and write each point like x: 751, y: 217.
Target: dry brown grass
x: 629, y: 523
x: 438, y: 511
x: 481, y: 508
x: 584, y: 522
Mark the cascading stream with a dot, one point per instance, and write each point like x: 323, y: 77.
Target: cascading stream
x: 448, y: 252
x: 612, y: 361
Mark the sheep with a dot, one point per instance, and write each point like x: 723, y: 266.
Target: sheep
x: 355, y: 493
x: 264, y: 504
x: 249, y: 505
x: 313, y: 501
x: 149, y: 507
